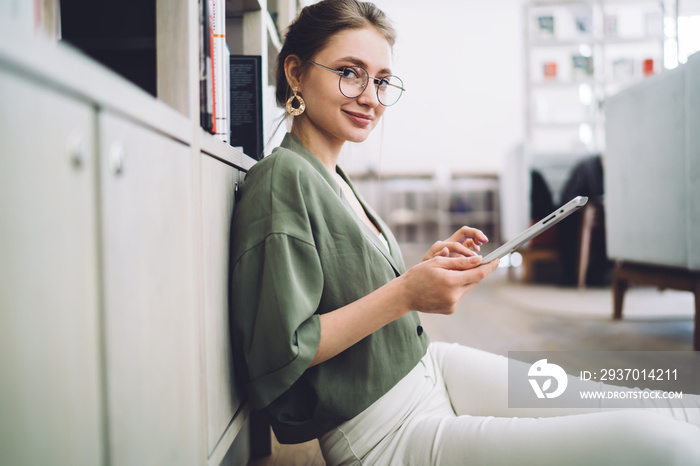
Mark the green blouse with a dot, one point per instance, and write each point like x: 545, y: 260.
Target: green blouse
x: 298, y: 250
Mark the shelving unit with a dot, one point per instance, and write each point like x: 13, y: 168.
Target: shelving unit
x: 116, y: 208
x: 580, y: 52
x: 251, y: 30
x: 424, y: 208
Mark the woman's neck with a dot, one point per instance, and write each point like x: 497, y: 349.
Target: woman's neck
x: 324, y: 147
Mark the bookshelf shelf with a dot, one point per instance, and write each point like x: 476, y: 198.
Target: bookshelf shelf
x: 224, y: 152
x: 544, y: 43
x: 561, y: 84
x: 564, y: 124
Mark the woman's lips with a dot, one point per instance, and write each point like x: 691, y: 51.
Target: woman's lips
x: 359, y: 119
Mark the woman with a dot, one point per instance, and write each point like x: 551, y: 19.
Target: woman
x: 325, y: 316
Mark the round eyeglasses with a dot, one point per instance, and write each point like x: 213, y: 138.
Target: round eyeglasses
x: 353, y: 81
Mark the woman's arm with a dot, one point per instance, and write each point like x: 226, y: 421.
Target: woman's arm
x: 435, y: 285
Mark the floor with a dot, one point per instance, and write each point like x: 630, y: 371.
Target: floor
x: 502, y: 315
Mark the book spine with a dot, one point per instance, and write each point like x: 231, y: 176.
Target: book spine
x: 205, y: 98
x: 212, y: 58
x: 227, y: 93
x: 220, y: 60
x: 246, y: 117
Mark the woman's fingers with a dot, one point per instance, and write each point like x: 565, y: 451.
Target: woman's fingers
x: 458, y: 263
x: 459, y: 250
x: 483, y: 270
x: 464, y: 242
x: 454, y: 250
x: 470, y: 243
x: 468, y: 264
x: 465, y: 234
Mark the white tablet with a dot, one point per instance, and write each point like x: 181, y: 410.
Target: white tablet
x: 550, y: 220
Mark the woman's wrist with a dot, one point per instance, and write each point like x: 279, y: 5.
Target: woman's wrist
x: 402, y: 302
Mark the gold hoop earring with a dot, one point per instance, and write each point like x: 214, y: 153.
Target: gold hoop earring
x: 299, y: 109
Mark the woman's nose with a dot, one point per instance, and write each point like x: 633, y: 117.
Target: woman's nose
x: 369, y: 96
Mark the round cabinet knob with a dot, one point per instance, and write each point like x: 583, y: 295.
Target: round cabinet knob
x: 77, y: 149
x: 117, y: 154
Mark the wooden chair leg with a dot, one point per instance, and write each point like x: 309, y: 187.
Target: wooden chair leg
x: 584, y: 254
x: 696, y: 331
x: 619, y: 287
x: 527, y: 269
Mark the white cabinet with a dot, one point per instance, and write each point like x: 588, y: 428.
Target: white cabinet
x: 51, y: 405
x: 224, y: 397
x: 115, y: 212
x: 150, y: 301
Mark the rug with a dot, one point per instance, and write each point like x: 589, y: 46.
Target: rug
x: 640, y: 303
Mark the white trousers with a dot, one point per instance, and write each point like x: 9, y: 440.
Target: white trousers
x: 452, y: 409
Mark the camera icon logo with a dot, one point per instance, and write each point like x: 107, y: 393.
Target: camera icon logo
x: 546, y: 372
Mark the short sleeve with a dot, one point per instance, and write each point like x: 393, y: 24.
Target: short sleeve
x: 277, y: 286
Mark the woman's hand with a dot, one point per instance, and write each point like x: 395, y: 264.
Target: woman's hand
x: 437, y: 285
x: 464, y: 242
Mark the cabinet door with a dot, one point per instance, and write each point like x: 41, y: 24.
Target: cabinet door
x: 223, y: 397
x: 50, y: 391
x: 150, y: 296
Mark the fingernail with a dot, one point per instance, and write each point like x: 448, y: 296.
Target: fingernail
x: 475, y: 259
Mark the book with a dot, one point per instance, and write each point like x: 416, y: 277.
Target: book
x: 220, y: 59
x: 246, y: 117
x: 545, y: 27
x: 623, y: 69
x: 211, y: 92
x: 549, y: 70
x: 205, y: 78
x: 582, y: 66
x: 111, y: 34
x: 583, y: 20
x: 227, y: 93
x: 610, y: 25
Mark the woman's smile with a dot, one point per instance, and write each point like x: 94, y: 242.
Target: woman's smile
x: 360, y: 119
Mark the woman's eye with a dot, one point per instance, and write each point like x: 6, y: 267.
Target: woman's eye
x: 383, y: 83
x: 349, y: 73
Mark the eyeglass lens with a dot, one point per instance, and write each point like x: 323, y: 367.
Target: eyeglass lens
x: 354, y: 80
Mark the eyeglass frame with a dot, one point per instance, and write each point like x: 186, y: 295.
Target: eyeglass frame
x: 364, y: 88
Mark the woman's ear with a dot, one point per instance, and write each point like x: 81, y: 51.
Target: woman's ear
x: 293, y: 70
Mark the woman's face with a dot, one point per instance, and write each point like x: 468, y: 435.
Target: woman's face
x: 329, y: 113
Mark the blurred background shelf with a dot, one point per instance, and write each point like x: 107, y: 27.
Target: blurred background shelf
x: 424, y: 208
x: 578, y: 53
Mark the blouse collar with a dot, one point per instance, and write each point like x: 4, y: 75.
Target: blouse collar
x: 293, y: 143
